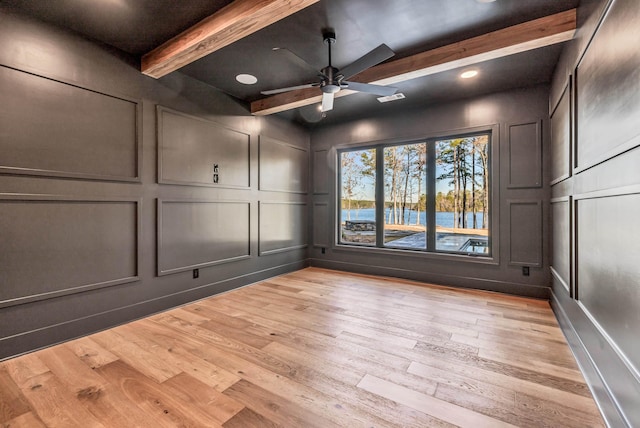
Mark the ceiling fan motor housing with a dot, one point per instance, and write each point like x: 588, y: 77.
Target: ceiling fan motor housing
x: 331, y: 81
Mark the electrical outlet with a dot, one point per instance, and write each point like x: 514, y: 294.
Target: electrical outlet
x: 525, y: 270
x: 323, y: 250
x: 215, y: 178
x: 196, y: 273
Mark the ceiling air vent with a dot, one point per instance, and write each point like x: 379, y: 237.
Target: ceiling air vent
x: 398, y: 96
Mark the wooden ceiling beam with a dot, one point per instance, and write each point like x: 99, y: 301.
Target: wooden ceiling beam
x: 530, y: 35
x: 230, y: 24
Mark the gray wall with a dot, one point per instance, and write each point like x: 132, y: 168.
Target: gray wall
x: 595, y: 111
x: 107, y: 196
x: 520, y: 191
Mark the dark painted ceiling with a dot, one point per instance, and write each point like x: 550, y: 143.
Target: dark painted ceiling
x: 407, y: 26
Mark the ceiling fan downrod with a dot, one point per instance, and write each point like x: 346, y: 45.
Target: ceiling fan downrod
x: 331, y: 82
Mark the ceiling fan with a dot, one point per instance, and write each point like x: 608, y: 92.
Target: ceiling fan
x: 332, y: 80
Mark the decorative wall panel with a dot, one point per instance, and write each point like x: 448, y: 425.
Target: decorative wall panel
x: 50, y: 128
x: 607, y: 268
x: 561, y: 238
x: 320, y: 172
x: 197, y: 234
x: 608, y: 88
x: 54, y: 246
x: 198, y: 152
x: 525, y: 155
x: 283, y: 226
x: 525, y: 237
x: 321, y: 232
x: 561, y: 138
x: 283, y: 167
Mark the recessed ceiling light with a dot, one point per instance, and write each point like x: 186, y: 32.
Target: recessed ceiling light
x: 469, y: 74
x: 246, y: 79
x: 485, y: 1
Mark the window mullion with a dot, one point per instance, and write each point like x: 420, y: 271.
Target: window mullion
x: 431, y: 196
x: 380, y: 196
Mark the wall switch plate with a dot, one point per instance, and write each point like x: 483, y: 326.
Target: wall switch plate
x: 215, y: 168
x: 196, y: 273
x: 525, y: 270
x: 323, y: 250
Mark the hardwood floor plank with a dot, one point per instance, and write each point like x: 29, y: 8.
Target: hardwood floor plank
x: 122, y: 343
x: 12, y: 402
x: 550, y: 367
x: 172, y: 348
x: 219, y: 407
x: 277, y: 409
x: 374, y: 323
x: 429, y: 352
x: 90, y: 352
x: 233, y: 347
x: 247, y: 418
x: 540, y: 349
x: 192, y: 316
x: 322, y: 343
x: 76, y: 375
x: 26, y: 420
x: 212, y: 314
x: 442, y: 377
x: 316, y: 363
x: 517, y: 385
x: 485, y: 405
x: 377, y: 335
x: 429, y: 405
x: 158, y: 401
x: 328, y: 360
x: 25, y: 367
x: 333, y: 381
x: 55, y: 405
x: 241, y: 335
x: 588, y: 416
x: 338, y: 412
x: 314, y: 348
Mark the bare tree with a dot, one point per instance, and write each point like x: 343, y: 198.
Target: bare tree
x: 421, y: 162
x: 482, y: 145
x: 351, y: 174
x: 392, y: 170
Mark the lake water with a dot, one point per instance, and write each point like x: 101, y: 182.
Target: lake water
x: 443, y: 219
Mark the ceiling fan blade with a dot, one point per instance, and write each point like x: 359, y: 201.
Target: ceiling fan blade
x: 296, y: 58
x: 369, y: 88
x: 327, y: 101
x: 290, y: 88
x: 376, y: 56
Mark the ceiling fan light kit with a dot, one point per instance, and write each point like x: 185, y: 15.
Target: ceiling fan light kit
x: 332, y: 79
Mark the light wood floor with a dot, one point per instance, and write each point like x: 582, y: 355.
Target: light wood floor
x: 314, y: 348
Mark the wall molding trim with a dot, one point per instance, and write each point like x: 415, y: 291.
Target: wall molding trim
x: 78, y: 288
x: 261, y: 229
x: 525, y: 290
x: 162, y: 114
x: 69, y: 172
x: 263, y: 173
x: 614, y: 386
x: 19, y: 344
x: 161, y: 244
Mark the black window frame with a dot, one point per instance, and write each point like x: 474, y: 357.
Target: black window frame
x: 430, y: 182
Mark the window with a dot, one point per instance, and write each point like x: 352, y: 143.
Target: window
x: 430, y: 195
x: 358, y: 203
x: 404, y: 196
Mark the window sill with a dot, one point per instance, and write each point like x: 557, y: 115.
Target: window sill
x: 454, y: 258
